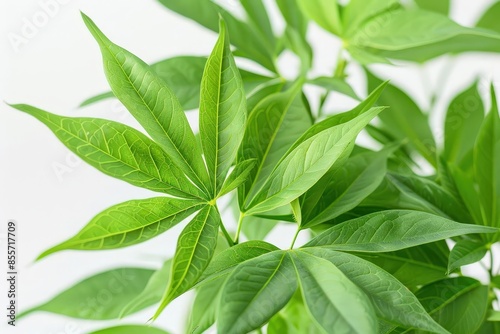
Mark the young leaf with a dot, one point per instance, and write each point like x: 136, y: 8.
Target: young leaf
x: 489, y: 20
x: 255, y: 291
x: 466, y: 252
x: 222, y: 111
x: 195, y: 248
x: 463, y: 121
x: 130, y: 329
x: 129, y: 223
x: 246, y: 38
x: 388, y: 231
x: 336, y: 303
x: 224, y: 263
x: 237, y: 176
x: 342, y: 189
x: 404, y: 119
x: 458, y: 295
x: 392, y: 300
x: 153, y: 291
x: 415, y: 266
x: 487, y: 165
x: 119, y: 151
x: 324, y: 12
x: 307, y: 163
x: 275, y: 123
x: 153, y: 104
x: 99, y: 297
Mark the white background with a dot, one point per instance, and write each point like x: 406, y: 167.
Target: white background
x: 59, y: 66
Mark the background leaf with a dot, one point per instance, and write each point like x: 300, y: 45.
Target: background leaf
x: 130, y: 329
x: 466, y: 252
x: 324, y: 12
x: 489, y: 18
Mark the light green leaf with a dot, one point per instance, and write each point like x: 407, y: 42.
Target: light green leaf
x: 438, y: 6
x: 195, y: 248
x: 262, y: 92
x: 297, y: 212
x: 293, y: 15
x: 204, y: 309
x: 116, y: 286
x: 246, y: 38
x: 342, y: 189
x: 307, y: 163
x: 324, y: 12
x: 130, y: 329
x: 404, y: 119
x: 336, y: 303
x: 239, y: 175
x: 153, y: 291
x: 357, y: 12
x: 273, y: 126
x: 463, y: 296
x: 153, y: 104
x: 487, y: 165
x: 257, y: 13
x: 414, y: 266
x: 467, y: 190
x: 298, y: 44
x: 129, y: 223
x: 489, y: 20
x: 392, y: 230
x: 334, y: 84
x: 418, y: 35
x: 224, y: 263
x: 222, y: 111
x: 466, y: 252
x: 97, y: 98
x: 392, y: 300
x: 463, y: 121
x: 255, y: 291
x: 119, y: 151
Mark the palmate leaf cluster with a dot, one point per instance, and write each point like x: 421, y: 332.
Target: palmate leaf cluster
x: 377, y: 261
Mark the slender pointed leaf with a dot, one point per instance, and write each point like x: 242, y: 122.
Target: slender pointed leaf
x: 257, y: 13
x: 489, y: 19
x: 466, y: 252
x: 357, y: 12
x: 237, y: 176
x: 204, y: 309
x: 335, y: 84
x: 152, y: 103
x: 438, y: 6
x: 325, y: 13
x: 131, y: 329
x: 222, y: 111
x: 119, y: 151
x: 392, y: 230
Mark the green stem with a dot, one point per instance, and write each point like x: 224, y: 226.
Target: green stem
x: 295, y: 237
x: 490, y: 272
x: 238, y: 230
x: 228, y: 237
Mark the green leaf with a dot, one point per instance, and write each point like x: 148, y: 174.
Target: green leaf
x: 129, y: 223
x: 463, y: 121
x: 224, y: 263
x: 467, y: 190
x: 273, y: 126
x: 153, y: 104
x: 463, y: 296
x: 293, y: 319
x: 298, y: 44
x: 195, y: 248
x: 307, y: 163
x: 489, y: 19
x: 119, y: 151
x: 334, y: 84
x: 255, y: 291
x: 487, y: 165
x: 418, y: 35
x: 336, y: 303
x: 130, y: 329
x: 324, y: 12
x: 116, y: 287
x: 293, y: 15
x: 438, y: 6
x: 342, y: 189
x: 404, y: 119
x: 357, y: 12
x: 247, y: 39
x: 392, y: 230
x: 262, y: 92
x: 204, y: 310
x: 238, y: 176
x: 297, y: 212
x: 97, y: 98
x: 222, y: 111
x: 153, y: 291
x: 392, y: 300
x: 466, y: 252
x: 258, y: 16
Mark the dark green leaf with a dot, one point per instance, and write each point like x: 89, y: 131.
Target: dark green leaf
x: 255, y: 291
x: 388, y: 231
x: 99, y: 297
x: 129, y: 223
x: 119, y: 151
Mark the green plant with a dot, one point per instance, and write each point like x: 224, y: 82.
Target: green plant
x: 377, y: 261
